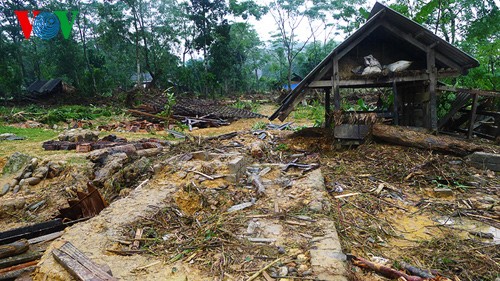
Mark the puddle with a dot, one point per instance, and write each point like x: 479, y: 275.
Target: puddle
x: 471, y: 225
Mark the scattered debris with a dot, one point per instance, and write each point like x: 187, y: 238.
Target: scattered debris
x: 10, y: 137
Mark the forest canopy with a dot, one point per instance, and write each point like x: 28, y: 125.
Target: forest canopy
x: 211, y: 47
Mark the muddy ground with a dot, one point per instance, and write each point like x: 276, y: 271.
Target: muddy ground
x: 390, y: 211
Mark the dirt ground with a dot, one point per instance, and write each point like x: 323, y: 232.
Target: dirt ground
x: 383, y: 202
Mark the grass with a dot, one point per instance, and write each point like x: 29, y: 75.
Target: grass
x: 314, y: 112
x: 31, y: 134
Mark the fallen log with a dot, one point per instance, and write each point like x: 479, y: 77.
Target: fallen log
x: 14, y: 248
x: 407, y: 137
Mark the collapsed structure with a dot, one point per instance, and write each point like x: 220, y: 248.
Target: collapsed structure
x: 397, y: 53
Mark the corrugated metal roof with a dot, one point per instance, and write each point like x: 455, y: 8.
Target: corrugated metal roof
x: 378, y: 14
x: 44, y: 86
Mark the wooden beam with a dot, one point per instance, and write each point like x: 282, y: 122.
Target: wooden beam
x: 469, y: 91
x: 472, y: 116
x: 420, y: 45
x: 431, y: 70
x: 358, y: 40
x: 396, y: 103
x: 327, y: 108
x: 322, y: 72
x: 335, y: 84
x: 370, y: 81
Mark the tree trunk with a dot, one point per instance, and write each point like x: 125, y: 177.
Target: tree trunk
x: 407, y: 137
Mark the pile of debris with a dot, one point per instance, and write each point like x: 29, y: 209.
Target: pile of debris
x: 132, y: 126
x: 192, y: 112
x: 28, y: 171
x: 85, y: 141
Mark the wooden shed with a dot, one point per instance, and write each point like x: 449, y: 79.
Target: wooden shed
x: 389, y: 37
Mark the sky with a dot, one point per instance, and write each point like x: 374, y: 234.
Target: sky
x: 267, y: 26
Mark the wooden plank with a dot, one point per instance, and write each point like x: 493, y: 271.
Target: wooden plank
x: 396, y: 103
x: 431, y: 70
x: 21, y: 258
x: 14, y: 248
x: 31, y: 231
x: 351, y: 131
x: 335, y: 84
x: 472, y: 116
x: 370, y: 82
x: 79, y: 265
x: 469, y: 91
x: 322, y: 72
x: 13, y: 274
x: 459, y: 102
x: 45, y: 238
x: 327, y: 108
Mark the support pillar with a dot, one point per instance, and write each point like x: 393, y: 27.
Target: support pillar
x: 432, y: 71
x: 328, y: 118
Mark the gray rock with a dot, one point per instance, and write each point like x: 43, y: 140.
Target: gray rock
x: 27, y: 175
x: 33, y: 180
x: 14, y: 182
x: 34, y: 163
x: 16, y: 189
x: 79, y: 135
x: 22, y: 182
x: 41, y: 172
x: 10, y: 137
x: 316, y: 206
x: 5, y: 189
x: 11, y: 205
x: 16, y: 163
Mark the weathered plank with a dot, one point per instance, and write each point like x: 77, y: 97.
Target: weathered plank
x: 484, y: 160
x: 11, y: 273
x: 351, y: 131
x: 407, y: 137
x: 14, y: 248
x: 31, y: 231
x: 79, y: 265
x: 21, y: 258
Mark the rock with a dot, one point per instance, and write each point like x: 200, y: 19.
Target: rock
x: 5, y: 189
x: 252, y: 226
x: 443, y: 192
x: 237, y: 167
x: 10, y: 137
x: 14, y: 182
x: 257, y: 149
x: 41, y: 172
x: 34, y: 163
x: 27, y: 175
x: 302, y: 268
x: 22, y: 182
x: 316, y: 206
x: 33, y: 180
x: 200, y: 155
x: 16, y: 163
x: 281, y: 250
x: 16, y: 189
x: 112, y: 164
x: 301, y: 258
x: 483, y: 160
x: 11, y: 205
x: 79, y: 135
x: 125, y: 192
x: 307, y: 273
x: 54, y: 170
x: 283, y: 271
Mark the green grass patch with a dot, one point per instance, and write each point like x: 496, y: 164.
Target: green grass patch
x: 314, y: 112
x: 33, y: 134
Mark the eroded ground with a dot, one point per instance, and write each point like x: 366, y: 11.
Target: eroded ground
x: 390, y: 211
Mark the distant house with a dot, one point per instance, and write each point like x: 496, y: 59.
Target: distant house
x: 294, y: 82
x: 145, y: 77
x: 42, y: 88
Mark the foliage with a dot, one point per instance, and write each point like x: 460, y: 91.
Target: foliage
x: 259, y: 125
x: 314, y: 112
x: 168, y: 109
x: 248, y: 105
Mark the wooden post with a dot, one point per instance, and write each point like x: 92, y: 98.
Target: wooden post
x: 396, y: 103
x: 431, y: 70
x: 335, y: 84
x: 472, y: 116
x: 327, y: 108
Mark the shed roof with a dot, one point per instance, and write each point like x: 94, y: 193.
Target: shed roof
x: 402, y: 27
x: 44, y: 86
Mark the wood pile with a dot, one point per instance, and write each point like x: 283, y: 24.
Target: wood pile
x: 106, y: 142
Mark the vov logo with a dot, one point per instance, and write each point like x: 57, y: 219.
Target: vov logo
x: 45, y: 25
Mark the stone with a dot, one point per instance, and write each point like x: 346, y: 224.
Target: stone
x: 16, y: 189
x: 302, y: 268
x: 17, y: 162
x: 200, y: 155
x: 125, y: 192
x: 41, y: 172
x: 10, y: 137
x: 54, y: 170
x: 33, y: 180
x: 5, y: 189
x: 283, y: 271
x: 27, y: 175
x: 237, y: 166
x: 34, y: 163
x: 14, y: 182
x: 301, y: 258
x: 11, y: 205
x: 442, y: 192
x: 79, y: 135
x: 306, y: 273
x: 316, y: 206
x: 483, y: 160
